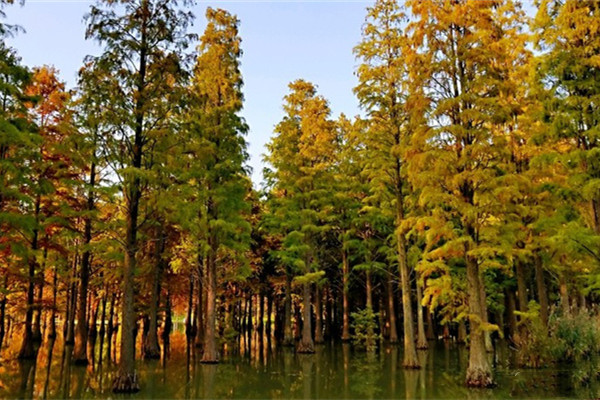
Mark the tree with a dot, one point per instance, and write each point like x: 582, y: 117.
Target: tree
x: 465, y: 51
x: 301, y: 155
x: 216, y: 151
x: 17, y: 139
x: 567, y: 77
x: 43, y: 194
x: 382, y: 92
x: 144, y: 43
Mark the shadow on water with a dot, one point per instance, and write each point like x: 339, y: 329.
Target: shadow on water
x: 334, y: 371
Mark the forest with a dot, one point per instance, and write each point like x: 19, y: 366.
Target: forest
x: 462, y: 205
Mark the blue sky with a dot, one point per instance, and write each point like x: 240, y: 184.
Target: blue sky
x: 282, y: 41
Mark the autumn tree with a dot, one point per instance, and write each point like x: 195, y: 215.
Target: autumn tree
x: 17, y: 139
x: 301, y: 156
x: 465, y: 49
x: 217, y: 151
x: 48, y: 168
x: 143, y: 53
x: 568, y: 39
x: 382, y: 91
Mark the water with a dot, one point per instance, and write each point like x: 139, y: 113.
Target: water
x: 335, y: 371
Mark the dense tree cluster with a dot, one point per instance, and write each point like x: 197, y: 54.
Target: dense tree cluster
x: 464, y: 203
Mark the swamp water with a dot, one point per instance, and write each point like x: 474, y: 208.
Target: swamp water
x: 335, y: 371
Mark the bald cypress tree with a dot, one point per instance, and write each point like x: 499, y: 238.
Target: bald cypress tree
x: 143, y: 49
x: 301, y: 156
x: 465, y: 52
x: 382, y: 92
x: 216, y: 151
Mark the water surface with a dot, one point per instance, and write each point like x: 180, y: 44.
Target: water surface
x: 335, y: 371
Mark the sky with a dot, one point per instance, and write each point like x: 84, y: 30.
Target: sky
x: 282, y: 41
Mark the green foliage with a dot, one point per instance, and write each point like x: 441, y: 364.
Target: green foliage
x: 364, y: 323
x: 568, y: 338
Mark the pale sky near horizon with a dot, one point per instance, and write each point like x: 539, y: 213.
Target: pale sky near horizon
x: 282, y: 41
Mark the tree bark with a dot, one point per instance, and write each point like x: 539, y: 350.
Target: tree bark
x: 151, y: 346
x: 210, y: 355
x: 410, y: 349
x: 521, y: 286
x: 421, y: 337
x: 3, y: 312
x: 52, y: 329
x: 37, y: 311
x: 430, y: 328
x: 479, y: 373
x: 288, y: 336
x: 189, y: 325
x: 392, y: 311
x: 487, y: 336
x: 510, y: 313
x: 319, y: 320
x: 27, y: 351
x: 200, y: 331
x: 110, y: 328
x: 102, y: 331
x: 462, y: 332
x: 345, y: 304
x: 72, y: 303
x: 306, y: 344
x: 564, y: 295
x: 261, y: 314
x: 79, y: 352
x: 269, y: 313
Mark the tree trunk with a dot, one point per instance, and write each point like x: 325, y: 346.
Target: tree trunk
x: 261, y: 314
x: 111, y: 327
x: 521, y: 292
x: 328, y: 313
x: 479, y: 373
x: 52, y: 329
x: 3, y: 314
x: 79, y: 352
x: 210, y: 355
x: 168, y: 325
x: 319, y: 320
x: 306, y: 344
x: 72, y: 303
x: 37, y: 314
x: 564, y: 295
x: 430, y: 329
x: 345, y: 304
x: 421, y: 337
x: 151, y: 346
x: 189, y: 325
x: 487, y: 336
x: 27, y: 351
x: 462, y: 332
x: 200, y: 306
x: 392, y: 311
x: 510, y: 313
x: 541, y: 289
x: 288, y: 336
x: 93, y: 330
x: 102, y: 331
x: 269, y: 313
x: 410, y: 349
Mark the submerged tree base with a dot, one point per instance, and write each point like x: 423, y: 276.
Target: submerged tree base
x: 479, y: 378
x: 411, y: 365
x: 422, y: 345
x: 305, y: 348
x: 126, y: 383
